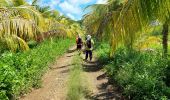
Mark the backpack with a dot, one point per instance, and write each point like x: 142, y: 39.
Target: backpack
x: 89, y: 44
x: 79, y: 41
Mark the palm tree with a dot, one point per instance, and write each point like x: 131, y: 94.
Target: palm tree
x: 130, y: 17
x: 19, y: 23
x: 71, y: 27
x: 102, y: 18
x: 45, y: 10
x: 142, y: 13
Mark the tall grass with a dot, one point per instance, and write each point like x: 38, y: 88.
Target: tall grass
x: 76, y: 84
x: 21, y: 71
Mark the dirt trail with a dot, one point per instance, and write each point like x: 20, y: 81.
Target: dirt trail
x: 98, y: 83
x: 54, y: 84
x: 54, y: 81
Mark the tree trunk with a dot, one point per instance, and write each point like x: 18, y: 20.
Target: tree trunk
x: 165, y: 39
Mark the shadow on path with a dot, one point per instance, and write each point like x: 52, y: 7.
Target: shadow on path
x: 102, y: 88
x: 100, y: 77
x: 71, y: 50
x: 91, y: 66
x: 65, y: 71
x: 64, y: 66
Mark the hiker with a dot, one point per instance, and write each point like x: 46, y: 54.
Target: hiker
x: 89, y: 47
x: 79, y: 42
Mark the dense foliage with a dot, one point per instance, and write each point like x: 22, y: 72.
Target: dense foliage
x: 21, y: 22
x: 102, y: 52
x: 141, y: 75
x: 31, y: 37
x: 23, y: 70
x: 141, y: 65
x: 123, y: 21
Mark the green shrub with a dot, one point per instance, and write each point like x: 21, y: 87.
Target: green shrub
x: 140, y: 74
x: 32, y: 43
x: 21, y: 71
x: 102, y: 51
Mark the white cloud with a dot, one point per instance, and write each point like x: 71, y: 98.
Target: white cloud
x: 79, y: 2
x: 53, y: 3
x: 73, y: 7
x: 29, y: 1
x: 61, y: 13
x: 69, y: 8
x: 101, y: 2
x: 71, y: 16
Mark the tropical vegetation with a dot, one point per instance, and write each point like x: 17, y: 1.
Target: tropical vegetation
x: 133, y: 36
x: 31, y: 37
x: 22, y: 71
x: 21, y: 22
x: 132, y: 43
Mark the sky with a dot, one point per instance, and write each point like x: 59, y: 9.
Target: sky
x: 70, y: 8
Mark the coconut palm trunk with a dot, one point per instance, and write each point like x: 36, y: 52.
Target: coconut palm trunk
x: 165, y: 39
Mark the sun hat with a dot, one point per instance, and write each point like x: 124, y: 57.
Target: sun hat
x: 88, y: 37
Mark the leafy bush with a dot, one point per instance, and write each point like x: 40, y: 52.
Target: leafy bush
x: 32, y: 43
x: 102, y: 51
x: 140, y: 74
x: 21, y: 71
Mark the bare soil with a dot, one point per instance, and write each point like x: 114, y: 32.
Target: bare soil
x: 99, y: 85
x: 54, y: 84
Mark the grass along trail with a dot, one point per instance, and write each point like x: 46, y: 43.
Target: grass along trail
x: 77, y: 85
x: 54, y: 84
x: 71, y: 78
x: 89, y: 82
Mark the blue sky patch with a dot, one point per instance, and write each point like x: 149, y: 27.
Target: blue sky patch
x: 71, y: 8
